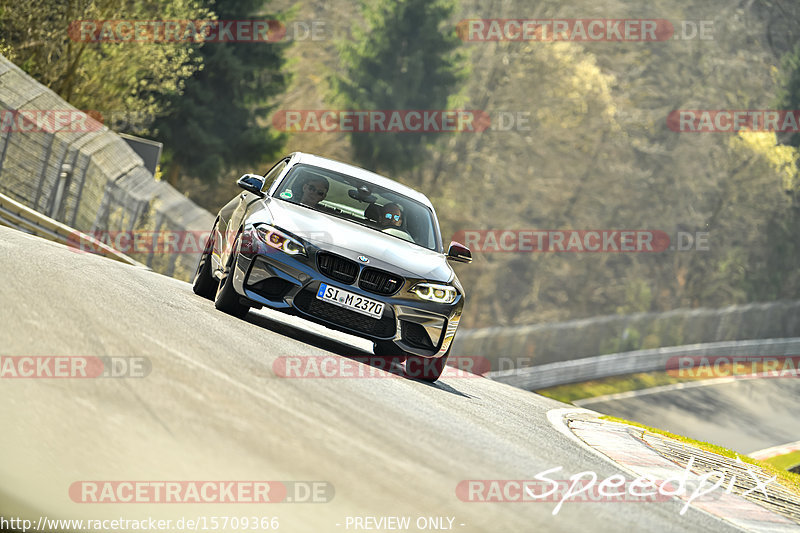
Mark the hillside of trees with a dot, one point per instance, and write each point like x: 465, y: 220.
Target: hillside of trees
x: 599, y: 155
x: 596, y: 153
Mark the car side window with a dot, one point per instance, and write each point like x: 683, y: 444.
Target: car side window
x: 272, y: 175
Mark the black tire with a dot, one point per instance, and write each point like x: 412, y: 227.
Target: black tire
x: 387, y: 355
x: 227, y: 299
x: 425, y: 368
x: 389, y: 349
x: 205, y: 284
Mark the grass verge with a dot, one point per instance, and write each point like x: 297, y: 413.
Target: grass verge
x: 700, y: 371
x: 788, y: 479
x: 786, y: 461
x: 599, y: 387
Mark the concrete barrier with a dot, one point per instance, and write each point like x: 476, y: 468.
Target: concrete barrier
x: 83, y: 175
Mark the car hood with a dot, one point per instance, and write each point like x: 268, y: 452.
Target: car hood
x: 352, y: 240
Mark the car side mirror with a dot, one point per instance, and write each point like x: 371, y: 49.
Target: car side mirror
x: 459, y: 252
x: 252, y: 183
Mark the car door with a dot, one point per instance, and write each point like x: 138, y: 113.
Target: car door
x: 249, y: 201
x: 245, y: 202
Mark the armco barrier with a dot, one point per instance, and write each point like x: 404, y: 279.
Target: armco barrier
x: 85, y: 176
x: 603, y: 366
x: 15, y: 215
x: 543, y: 344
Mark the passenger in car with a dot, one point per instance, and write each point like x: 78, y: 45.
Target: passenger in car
x: 392, y: 216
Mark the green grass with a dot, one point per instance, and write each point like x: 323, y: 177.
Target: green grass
x: 789, y: 480
x: 612, y: 385
x: 786, y: 461
x: 644, y: 380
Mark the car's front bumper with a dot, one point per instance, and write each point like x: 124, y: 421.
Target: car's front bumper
x: 280, y: 281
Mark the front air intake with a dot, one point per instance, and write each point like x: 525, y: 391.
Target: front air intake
x: 380, y: 282
x: 337, y: 267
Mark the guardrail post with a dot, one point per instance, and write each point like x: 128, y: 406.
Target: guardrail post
x: 64, y: 178
x: 43, y: 174
x: 81, y: 183
x: 7, y: 137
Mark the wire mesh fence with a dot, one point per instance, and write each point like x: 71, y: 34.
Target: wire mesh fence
x: 63, y: 163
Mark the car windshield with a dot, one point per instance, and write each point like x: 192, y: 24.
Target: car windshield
x: 360, y: 201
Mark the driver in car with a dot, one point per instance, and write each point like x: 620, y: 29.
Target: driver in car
x: 314, y: 191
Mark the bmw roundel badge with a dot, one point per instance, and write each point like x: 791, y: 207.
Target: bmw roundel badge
x: 363, y: 258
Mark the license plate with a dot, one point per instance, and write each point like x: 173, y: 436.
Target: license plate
x: 348, y: 300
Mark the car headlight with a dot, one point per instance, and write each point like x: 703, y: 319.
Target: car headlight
x: 435, y: 292
x: 279, y: 240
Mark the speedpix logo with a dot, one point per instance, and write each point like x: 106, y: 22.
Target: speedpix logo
x: 587, y: 486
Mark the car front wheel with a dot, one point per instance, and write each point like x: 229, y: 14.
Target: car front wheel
x: 422, y: 368
x: 205, y: 284
x: 425, y: 368
x: 227, y: 299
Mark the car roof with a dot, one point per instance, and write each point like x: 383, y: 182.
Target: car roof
x: 362, y: 174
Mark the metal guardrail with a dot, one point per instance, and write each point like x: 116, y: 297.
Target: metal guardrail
x: 509, y: 347
x: 617, y: 364
x: 15, y: 215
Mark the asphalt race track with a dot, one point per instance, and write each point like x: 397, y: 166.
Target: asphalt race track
x: 213, y: 409
x: 745, y: 415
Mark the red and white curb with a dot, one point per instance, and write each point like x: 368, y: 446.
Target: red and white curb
x: 611, y: 441
x: 769, y: 453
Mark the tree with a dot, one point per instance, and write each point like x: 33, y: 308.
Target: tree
x: 404, y: 61
x: 789, y: 92
x: 213, y: 124
x: 121, y: 77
